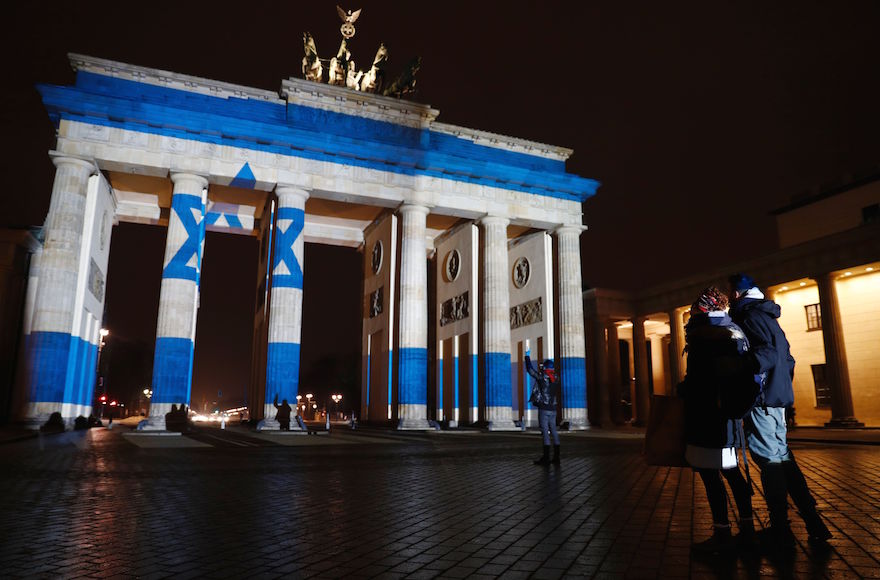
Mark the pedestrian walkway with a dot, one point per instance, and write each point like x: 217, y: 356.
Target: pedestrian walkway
x: 413, y: 505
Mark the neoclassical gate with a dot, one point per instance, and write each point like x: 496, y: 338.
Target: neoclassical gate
x: 498, y: 217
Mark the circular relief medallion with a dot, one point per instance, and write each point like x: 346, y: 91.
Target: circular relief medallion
x: 522, y: 271
x: 102, y: 238
x: 453, y: 265
x: 347, y: 29
x: 376, y: 257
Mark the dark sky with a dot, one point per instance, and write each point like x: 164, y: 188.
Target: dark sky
x: 698, y: 119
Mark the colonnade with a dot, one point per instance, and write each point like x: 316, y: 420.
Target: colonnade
x: 179, y: 300
x: 607, y: 362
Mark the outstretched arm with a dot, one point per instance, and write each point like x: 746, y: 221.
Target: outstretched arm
x: 530, y: 368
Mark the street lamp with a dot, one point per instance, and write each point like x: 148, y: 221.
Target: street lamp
x: 103, y: 333
x: 336, y: 399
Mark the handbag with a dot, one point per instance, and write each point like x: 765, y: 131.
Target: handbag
x: 664, y: 437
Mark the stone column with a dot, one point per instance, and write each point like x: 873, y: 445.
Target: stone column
x: 51, y: 341
x: 285, y: 307
x: 572, y: 350
x: 836, y: 368
x: 640, y: 361
x: 412, y: 378
x: 496, y: 324
x: 600, y: 353
x: 676, y: 340
x: 178, y: 299
x: 614, y: 381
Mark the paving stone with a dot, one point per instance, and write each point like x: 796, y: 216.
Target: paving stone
x: 427, y: 506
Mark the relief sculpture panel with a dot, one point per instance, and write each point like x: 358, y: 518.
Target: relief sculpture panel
x: 527, y: 313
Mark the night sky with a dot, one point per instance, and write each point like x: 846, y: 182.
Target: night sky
x: 698, y: 119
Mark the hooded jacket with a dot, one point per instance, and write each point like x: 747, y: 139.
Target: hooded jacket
x: 550, y: 389
x: 717, y: 363
x: 770, y: 351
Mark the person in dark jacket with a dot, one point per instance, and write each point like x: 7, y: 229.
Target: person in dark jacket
x: 544, y: 394
x: 765, y: 425
x: 283, y: 414
x: 716, y: 364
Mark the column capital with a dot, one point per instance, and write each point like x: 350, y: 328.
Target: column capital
x: 576, y: 229
x: 59, y: 159
x: 283, y: 190
x: 492, y: 220
x: 407, y: 207
x: 179, y: 177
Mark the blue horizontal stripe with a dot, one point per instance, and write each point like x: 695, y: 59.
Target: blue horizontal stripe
x: 574, y: 383
x: 496, y: 366
x: 306, y: 132
x: 172, y: 370
x: 413, y: 376
x: 282, y: 371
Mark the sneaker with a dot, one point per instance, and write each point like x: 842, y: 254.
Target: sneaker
x: 720, y: 542
x: 776, y: 537
x: 817, y: 531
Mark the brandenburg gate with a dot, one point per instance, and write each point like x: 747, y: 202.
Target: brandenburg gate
x: 498, y: 218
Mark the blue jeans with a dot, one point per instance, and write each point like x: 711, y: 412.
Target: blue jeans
x: 766, y: 433
x: 547, y: 421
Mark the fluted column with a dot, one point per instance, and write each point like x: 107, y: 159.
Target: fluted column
x: 412, y: 394
x: 572, y: 350
x: 640, y: 361
x: 676, y: 340
x: 178, y: 299
x: 600, y: 354
x: 285, y: 308
x: 496, y: 324
x: 836, y: 367
x: 614, y: 372
x: 51, y: 343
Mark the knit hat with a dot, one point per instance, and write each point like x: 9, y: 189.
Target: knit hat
x: 741, y: 282
x: 548, y: 365
x: 711, y: 300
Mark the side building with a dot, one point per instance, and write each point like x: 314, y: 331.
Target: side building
x: 825, y: 274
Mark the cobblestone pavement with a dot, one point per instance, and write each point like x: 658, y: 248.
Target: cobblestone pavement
x: 388, y: 505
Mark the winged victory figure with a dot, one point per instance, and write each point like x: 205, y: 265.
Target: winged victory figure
x: 348, y: 19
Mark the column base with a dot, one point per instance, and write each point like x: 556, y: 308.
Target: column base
x: 844, y: 423
x: 413, y: 417
x: 575, y: 419
x: 414, y: 425
x: 502, y: 425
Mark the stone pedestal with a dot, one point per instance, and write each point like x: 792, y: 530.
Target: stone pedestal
x: 285, y: 308
x: 178, y: 300
x: 413, y: 345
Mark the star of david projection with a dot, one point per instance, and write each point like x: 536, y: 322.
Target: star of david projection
x: 286, y: 271
x: 184, y: 264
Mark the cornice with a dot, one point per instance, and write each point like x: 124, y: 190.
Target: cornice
x: 172, y: 80
x: 505, y: 142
